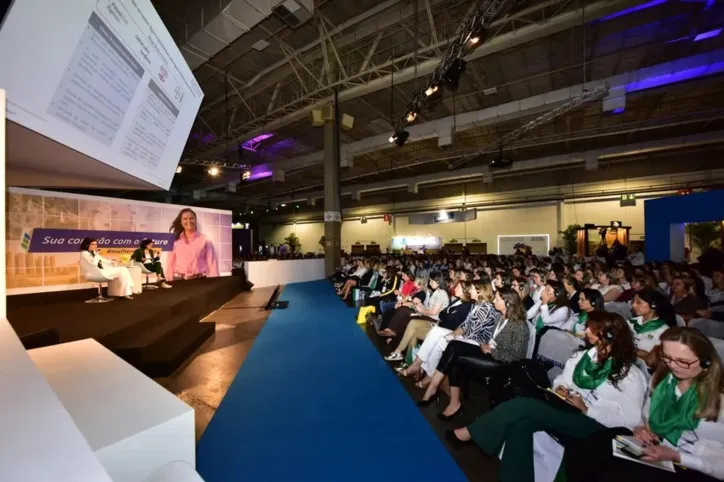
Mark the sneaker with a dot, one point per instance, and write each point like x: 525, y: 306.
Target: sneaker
x: 394, y: 356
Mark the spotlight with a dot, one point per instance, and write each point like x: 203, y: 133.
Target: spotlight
x: 411, y: 116
x: 453, y: 74
x: 392, y: 139
x: 213, y: 171
x: 252, y: 211
x: 179, y: 169
x: 283, y: 205
x: 476, y: 37
x: 245, y: 175
x: 432, y: 89
x: 400, y: 138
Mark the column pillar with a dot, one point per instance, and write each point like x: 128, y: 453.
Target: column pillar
x: 332, y: 202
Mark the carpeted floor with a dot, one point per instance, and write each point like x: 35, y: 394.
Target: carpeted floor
x: 314, y: 401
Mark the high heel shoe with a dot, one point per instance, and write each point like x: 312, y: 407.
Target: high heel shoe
x: 453, y: 440
x: 434, y: 398
x: 443, y: 417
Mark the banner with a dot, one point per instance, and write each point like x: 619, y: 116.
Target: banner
x: 45, y: 229
x: 64, y: 240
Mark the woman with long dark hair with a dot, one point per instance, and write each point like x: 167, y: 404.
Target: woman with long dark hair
x: 590, y: 300
x: 599, y: 387
x: 654, y: 315
x: 193, y: 254
x: 553, y: 307
x: 91, y: 261
x: 508, y: 343
x: 684, y: 420
x: 150, y: 260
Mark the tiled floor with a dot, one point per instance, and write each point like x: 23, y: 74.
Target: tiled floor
x: 203, y: 382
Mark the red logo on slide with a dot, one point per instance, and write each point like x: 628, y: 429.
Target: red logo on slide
x: 163, y: 74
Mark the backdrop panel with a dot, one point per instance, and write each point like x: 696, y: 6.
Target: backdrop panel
x: 44, y: 230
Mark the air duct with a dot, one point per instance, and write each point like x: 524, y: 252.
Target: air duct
x: 222, y: 23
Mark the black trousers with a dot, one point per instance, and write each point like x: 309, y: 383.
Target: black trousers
x: 450, y: 363
x: 592, y: 460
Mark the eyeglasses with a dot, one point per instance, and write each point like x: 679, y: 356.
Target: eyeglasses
x: 682, y: 363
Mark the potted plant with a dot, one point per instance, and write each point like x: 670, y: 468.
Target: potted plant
x: 570, y: 238
x: 293, y: 242
x: 704, y: 235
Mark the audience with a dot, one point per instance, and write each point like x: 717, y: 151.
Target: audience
x: 478, y: 316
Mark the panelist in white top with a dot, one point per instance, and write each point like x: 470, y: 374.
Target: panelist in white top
x: 92, y: 264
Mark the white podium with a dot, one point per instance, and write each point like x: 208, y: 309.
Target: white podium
x: 133, y: 425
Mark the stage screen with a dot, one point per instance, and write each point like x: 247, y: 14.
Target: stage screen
x: 103, y: 77
x: 44, y: 231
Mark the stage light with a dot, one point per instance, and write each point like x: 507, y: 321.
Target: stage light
x: 179, y: 169
x: 252, y: 211
x: 245, y: 175
x: 476, y: 37
x: 453, y: 74
x: 411, y: 116
x: 431, y: 90
x: 392, y: 139
x: 283, y: 205
x: 214, y: 171
x: 400, y: 138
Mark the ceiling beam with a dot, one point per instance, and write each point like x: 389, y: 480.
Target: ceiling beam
x: 495, y: 45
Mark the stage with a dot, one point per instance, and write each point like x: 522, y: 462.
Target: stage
x: 155, y: 332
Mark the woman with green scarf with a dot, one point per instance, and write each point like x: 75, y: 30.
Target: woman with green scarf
x: 654, y: 315
x: 589, y: 300
x: 684, y: 420
x: 600, y: 387
x: 552, y: 309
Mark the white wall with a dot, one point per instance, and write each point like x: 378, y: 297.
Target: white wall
x: 524, y: 219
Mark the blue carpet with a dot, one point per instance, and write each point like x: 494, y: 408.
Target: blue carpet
x: 314, y: 401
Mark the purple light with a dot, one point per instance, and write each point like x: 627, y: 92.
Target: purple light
x: 208, y: 138
x: 259, y: 175
x: 618, y: 110
x: 706, y: 35
x: 674, y: 77
x: 709, y: 4
x: 636, y: 8
x: 253, y: 144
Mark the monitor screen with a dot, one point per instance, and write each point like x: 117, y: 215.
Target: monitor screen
x: 103, y: 77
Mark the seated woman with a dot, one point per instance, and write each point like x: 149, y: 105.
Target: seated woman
x: 654, y: 315
x: 607, y: 287
x: 590, y: 300
x: 553, y: 307
x: 353, y: 277
x: 390, y: 283
x: 436, y: 300
x: 684, y: 420
x: 521, y: 286
x: 508, y: 343
x: 361, y: 277
x: 716, y: 292
x: 683, y: 298
x: 450, y: 318
x: 90, y: 261
x: 404, y: 297
x: 573, y: 290
x: 150, y: 260
x: 478, y: 325
x: 600, y: 387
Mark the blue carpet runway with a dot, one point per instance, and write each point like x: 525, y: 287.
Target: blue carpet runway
x: 314, y: 401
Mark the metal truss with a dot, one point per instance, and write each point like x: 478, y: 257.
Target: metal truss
x: 585, y: 98
x: 220, y: 163
x: 475, y: 24
x: 311, y: 78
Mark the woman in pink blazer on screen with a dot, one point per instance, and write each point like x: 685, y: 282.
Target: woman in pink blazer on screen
x: 193, y: 254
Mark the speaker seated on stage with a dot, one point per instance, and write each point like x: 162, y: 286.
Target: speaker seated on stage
x: 91, y: 262
x: 150, y: 260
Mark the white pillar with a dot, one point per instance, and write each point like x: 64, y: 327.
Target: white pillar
x: 677, y: 236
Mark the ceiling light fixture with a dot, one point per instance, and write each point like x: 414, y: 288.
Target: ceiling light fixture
x: 400, y: 138
x: 432, y: 89
x: 214, y: 171
x: 179, y: 169
x: 411, y: 116
x: 283, y: 205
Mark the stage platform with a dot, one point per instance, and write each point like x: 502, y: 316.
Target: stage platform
x: 155, y: 332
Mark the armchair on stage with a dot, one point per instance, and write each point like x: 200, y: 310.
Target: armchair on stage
x: 95, y: 275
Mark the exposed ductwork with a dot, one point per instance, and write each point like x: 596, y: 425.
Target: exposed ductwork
x: 222, y: 22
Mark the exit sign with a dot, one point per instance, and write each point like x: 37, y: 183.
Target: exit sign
x: 628, y: 200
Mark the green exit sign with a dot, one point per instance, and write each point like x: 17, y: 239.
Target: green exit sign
x: 628, y: 200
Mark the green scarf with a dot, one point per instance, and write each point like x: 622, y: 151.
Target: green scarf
x: 539, y: 325
x: 650, y: 325
x: 589, y: 374
x: 670, y: 416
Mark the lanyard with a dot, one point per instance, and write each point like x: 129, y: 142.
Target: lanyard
x: 498, y: 329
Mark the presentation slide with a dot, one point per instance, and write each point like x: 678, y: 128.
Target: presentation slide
x: 104, y: 77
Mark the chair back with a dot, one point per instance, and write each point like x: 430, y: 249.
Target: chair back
x: 620, y: 308
x: 719, y: 346
x: 557, y: 346
x: 531, y: 340
x: 680, y: 321
x: 711, y: 328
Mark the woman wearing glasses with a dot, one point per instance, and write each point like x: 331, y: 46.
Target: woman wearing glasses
x: 684, y: 417
x: 600, y: 387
